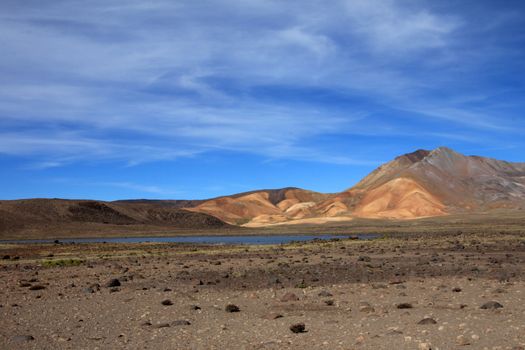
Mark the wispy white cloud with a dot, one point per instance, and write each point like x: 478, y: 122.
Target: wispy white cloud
x: 137, y: 82
x: 392, y: 27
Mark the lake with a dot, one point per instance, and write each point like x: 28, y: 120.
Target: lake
x: 246, y: 239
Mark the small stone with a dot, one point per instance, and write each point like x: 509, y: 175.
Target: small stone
x: 162, y: 325
x: 456, y: 290
x: 37, y: 287
x: 491, y: 305
x: 298, y: 328
x: 181, y: 323
x: 367, y: 308
x: 273, y: 316
x: 289, y: 297
x: 427, y: 321
x: 195, y: 307
x: 114, y: 282
x: 22, y: 338
x: 166, y: 302
x: 462, y: 341
x: 404, y: 306
x: 232, y: 308
x: 325, y: 293
x: 329, y: 302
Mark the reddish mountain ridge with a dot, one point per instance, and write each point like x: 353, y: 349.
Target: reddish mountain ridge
x: 419, y: 184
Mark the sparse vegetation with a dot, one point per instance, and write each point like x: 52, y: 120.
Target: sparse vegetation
x: 301, y: 284
x: 242, y: 221
x: 61, y: 262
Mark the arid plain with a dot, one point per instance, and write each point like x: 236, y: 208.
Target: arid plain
x: 460, y: 287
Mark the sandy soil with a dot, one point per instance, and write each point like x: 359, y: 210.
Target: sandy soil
x: 413, y: 293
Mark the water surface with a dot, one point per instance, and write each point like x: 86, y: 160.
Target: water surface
x: 246, y: 239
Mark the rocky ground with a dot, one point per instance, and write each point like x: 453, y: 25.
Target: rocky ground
x: 445, y: 292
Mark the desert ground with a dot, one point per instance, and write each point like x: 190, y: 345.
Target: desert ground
x: 441, y: 290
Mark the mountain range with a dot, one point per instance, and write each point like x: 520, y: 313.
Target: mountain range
x: 415, y: 185
x: 419, y: 184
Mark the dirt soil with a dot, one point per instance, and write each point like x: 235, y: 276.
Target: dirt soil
x: 446, y: 291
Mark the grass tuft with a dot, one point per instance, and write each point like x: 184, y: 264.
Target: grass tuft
x: 61, y: 262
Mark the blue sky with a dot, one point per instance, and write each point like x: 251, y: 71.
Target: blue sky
x: 195, y: 99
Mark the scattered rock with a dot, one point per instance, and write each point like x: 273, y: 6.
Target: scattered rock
x: 456, y: 290
x: 491, y: 305
x: 114, y: 282
x: 365, y: 307
x: 37, y: 287
x: 273, y: 316
x: 462, y: 341
x: 181, y: 323
x: 166, y: 302
x: 325, y: 293
x: 394, y: 332
x: 162, y: 325
x: 298, y: 328
x: 232, y: 308
x: 426, y: 321
x: 195, y: 307
x: 289, y: 297
x: 404, y: 306
x: 23, y: 338
x: 364, y: 258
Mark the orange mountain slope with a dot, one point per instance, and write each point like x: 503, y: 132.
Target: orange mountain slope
x: 267, y: 206
x: 419, y: 184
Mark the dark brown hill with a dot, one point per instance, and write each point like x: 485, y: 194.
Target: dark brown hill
x: 57, y: 214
